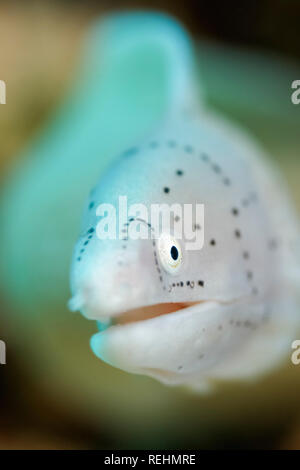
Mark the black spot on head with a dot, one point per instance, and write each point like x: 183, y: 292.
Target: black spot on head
x: 235, y: 211
x: 176, y: 218
x: 131, y: 219
x: 237, y: 233
x: 213, y: 242
x: 179, y: 367
x: 197, y: 227
x: 130, y: 152
x: 246, y: 255
x: 91, y: 230
x: 166, y: 190
x: 86, y: 242
x: 153, y: 144
x: 249, y: 275
x: 82, y: 250
x: 187, y: 283
x: 216, y: 168
x: 79, y: 258
x: 188, y: 148
x: 91, y: 205
x: 200, y: 283
x: 179, y: 172
x: 181, y: 284
x: 272, y: 244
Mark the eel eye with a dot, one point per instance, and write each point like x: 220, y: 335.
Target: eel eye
x: 170, y: 253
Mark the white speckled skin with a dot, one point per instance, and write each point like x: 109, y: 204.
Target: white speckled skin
x: 252, y: 302
x: 248, y: 268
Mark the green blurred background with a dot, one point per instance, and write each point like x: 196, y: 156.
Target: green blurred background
x: 54, y: 393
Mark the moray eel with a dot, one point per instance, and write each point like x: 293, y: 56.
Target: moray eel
x: 226, y: 311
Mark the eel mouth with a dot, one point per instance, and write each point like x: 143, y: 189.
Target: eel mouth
x: 151, y: 311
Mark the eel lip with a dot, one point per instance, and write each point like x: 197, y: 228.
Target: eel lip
x: 152, y: 311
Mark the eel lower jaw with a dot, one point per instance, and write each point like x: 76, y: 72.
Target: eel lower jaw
x: 148, y: 340
x: 154, y: 340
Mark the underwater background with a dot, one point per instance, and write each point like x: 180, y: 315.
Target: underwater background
x: 54, y: 392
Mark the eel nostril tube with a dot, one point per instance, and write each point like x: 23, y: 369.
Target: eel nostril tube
x: 76, y: 303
